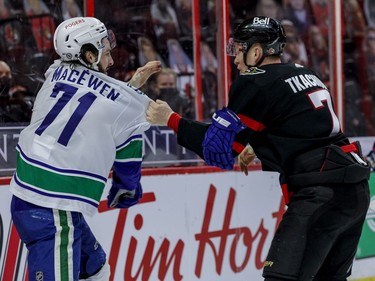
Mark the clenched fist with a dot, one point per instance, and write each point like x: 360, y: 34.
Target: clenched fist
x: 245, y: 158
x: 158, y: 113
x: 142, y: 73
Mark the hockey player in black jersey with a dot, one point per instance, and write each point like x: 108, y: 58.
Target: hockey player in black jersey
x: 286, y: 114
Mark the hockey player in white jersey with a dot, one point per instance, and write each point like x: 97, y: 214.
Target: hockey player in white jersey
x: 84, y: 125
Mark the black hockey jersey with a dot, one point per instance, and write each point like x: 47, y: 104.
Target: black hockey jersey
x: 287, y: 110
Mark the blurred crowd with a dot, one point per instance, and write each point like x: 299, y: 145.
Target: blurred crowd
x: 163, y: 30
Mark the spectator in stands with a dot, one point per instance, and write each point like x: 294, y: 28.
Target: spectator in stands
x: 14, y: 107
x: 43, y: 25
x: 178, y: 59
x: 354, y: 40
x: 163, y: 85
x: 319, y: 53
x: 207, y: 17
x: 209, y: 80
x: 369, y: 9
x: 5, y: 78
x: 369, y: 50
x: 126, y: 65
x: 35, y: 7
x: 320, y: 11
x: 354, y: 20
x: 5, y: 9
x: 295, y: 50
x: 165, y: 88
x: 298, y: 12
x: 371, y: 158
x: 240, y: 10
x: 21, y: 104
x: 185, y: 16
x: 269, y: 8
x: 208, y: 59
x: 70, y: 9
x: 180, y: 62
x: 10, y: 31
x: 354, y: 119
x: 147, y: 52
x: 164, y: 20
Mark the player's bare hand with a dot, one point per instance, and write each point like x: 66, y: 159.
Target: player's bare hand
x: 142, y: 73
x: 245, y: 158
x: 158, y: 113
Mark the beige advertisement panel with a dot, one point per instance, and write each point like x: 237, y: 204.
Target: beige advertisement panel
x: 208, y: 226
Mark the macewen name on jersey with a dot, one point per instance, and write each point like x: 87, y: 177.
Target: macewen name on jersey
x: 85, y: 78
x: 303, y: 81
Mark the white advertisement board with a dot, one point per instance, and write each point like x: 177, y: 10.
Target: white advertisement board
x: 205, y: 226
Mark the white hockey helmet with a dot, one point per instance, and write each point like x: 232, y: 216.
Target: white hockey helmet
x: 73, y: 33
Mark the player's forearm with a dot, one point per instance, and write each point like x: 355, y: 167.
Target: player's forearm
x: 127, y: 175
x: 143, y: 73
x: 190, y: 134
x: 174, y: 121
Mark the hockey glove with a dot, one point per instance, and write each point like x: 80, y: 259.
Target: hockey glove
x: 219, y: 138
x: 123, y: 198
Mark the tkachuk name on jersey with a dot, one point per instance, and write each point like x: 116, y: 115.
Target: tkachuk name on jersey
x: 85, y: 78
x: 301, y: 82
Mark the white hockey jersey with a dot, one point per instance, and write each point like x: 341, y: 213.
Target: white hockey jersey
x: 83, y: 121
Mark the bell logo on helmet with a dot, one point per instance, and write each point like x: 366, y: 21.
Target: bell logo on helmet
x: 260, y: 21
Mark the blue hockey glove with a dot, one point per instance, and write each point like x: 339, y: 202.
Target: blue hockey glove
x: 219, y: 138
x: 123, y: 198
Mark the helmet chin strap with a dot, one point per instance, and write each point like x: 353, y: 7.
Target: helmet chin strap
x: 260, y: 61
x: 95, y: 64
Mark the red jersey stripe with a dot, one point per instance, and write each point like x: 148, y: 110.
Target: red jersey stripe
x: 174, y: 121
x: 238, y: 147
x: 251, y: 123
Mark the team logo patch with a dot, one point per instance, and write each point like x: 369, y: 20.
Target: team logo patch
x: 253, y: 71
x: 39, y: 276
